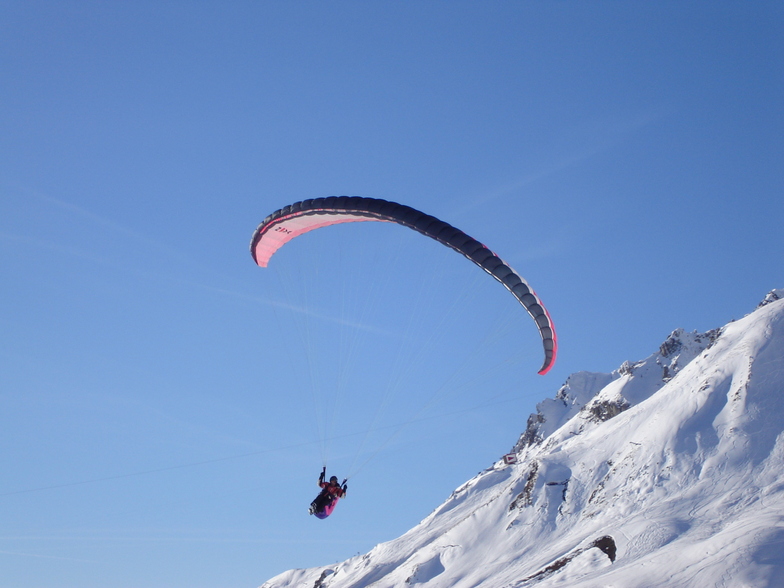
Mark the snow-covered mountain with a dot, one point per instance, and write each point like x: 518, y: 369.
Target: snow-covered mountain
x: 667, y: 472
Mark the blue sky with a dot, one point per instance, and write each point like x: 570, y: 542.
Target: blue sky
x: 157, y: 421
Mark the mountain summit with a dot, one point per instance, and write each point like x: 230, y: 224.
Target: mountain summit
x: 668, y: 472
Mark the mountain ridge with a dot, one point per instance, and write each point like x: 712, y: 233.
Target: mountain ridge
x: 667, y: 471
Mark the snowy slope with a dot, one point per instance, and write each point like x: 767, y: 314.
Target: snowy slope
x: 667, y: 472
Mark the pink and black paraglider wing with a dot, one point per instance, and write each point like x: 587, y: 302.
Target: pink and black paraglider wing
x: 301, y: 217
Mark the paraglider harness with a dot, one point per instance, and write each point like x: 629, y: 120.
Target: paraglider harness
x: 328, y: 494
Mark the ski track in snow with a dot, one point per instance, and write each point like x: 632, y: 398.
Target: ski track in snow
x: 666, y: 472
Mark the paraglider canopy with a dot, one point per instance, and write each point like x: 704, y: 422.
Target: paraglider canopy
x: 301, y: 217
